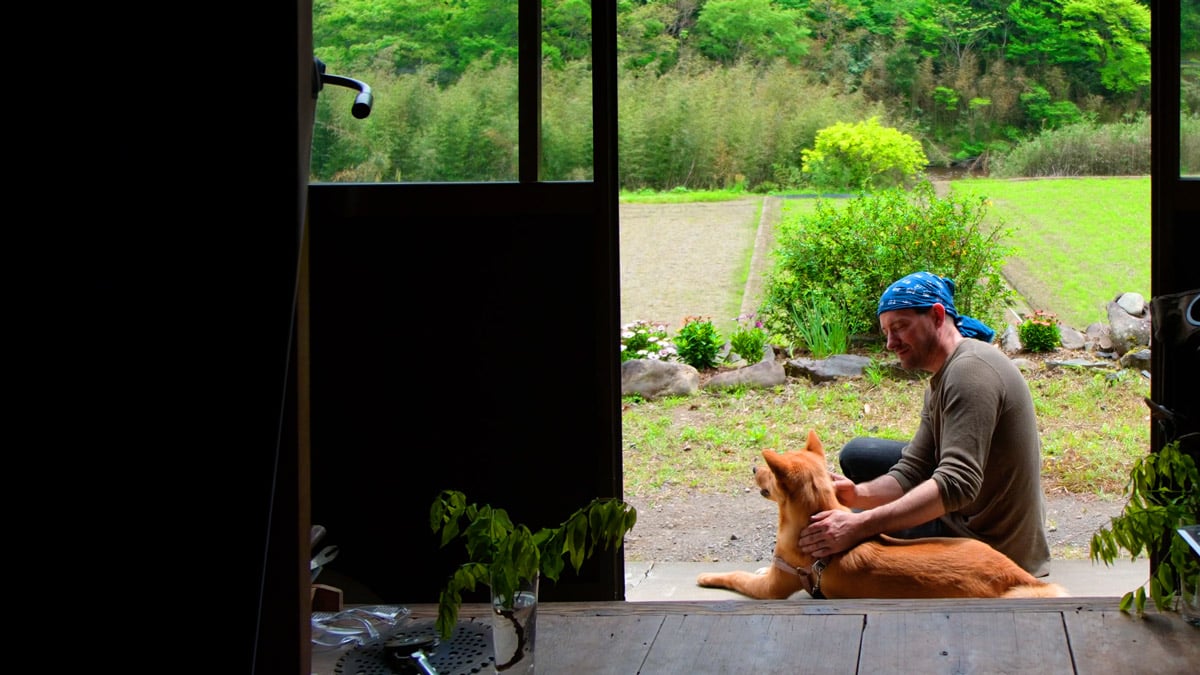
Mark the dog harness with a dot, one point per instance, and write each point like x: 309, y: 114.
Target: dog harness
x: 811, y: 576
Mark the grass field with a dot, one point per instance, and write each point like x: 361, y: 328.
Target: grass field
x: 1081, y: 242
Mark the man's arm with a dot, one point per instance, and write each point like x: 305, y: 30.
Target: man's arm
x: 868, y: 495
x: 836, y: 531
x: 919, y: 505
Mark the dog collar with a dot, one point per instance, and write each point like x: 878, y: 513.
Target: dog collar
x: 812, y: 575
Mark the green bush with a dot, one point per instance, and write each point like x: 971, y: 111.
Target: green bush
x: 1081, y: 149
x: 863, y: 156
x: 1039, y: 332
x: 748, y: 339
x: 851, y: 252
x: 698, y: 342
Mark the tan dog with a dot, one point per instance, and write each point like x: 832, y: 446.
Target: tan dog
x: 880, y: 567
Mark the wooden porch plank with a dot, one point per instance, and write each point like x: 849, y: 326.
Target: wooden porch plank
x: 1115, y: 642
x: 822, y: 607
x: 762, y: 644
x: 967, y: 642
x: 573, y: 645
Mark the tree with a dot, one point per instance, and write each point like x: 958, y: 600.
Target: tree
x: 1115, y: 35
x: 358, y: 34
x: 566, y: 32
x: 1103, y: 44
x: 732, y: 30
x: 648, y: 32
x: 954, y: 28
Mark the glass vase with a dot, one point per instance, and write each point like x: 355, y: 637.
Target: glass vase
x: 514, y: 628
x: 1189, y: 597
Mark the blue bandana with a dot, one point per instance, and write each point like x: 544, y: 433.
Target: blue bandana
x: 923, y: 289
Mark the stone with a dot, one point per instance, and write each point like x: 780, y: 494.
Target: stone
x: 1024, y: 365
x: 1128, y: 331
x: 1099, y: 336
x: 1010, y: 340
x: 1133, y: 303
x: 652, y: 378
x: 1078, y: 363
x: 764, y: 374
x: 828, y: 369
x: 1137, y: 359
x: 1071, y: 338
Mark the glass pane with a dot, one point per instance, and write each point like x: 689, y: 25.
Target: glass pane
x: 444, y: 78
x: 1189, y: 85
x: 567, y: 90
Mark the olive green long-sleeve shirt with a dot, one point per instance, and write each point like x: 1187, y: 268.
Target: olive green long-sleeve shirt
x: 978, y: 440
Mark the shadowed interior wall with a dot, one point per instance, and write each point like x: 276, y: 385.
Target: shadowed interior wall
x: 460, y: 339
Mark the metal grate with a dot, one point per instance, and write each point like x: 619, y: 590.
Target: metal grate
x: 469, y: 650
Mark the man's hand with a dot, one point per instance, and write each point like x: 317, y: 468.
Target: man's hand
x: 831, y: 532
x: 844, y: 488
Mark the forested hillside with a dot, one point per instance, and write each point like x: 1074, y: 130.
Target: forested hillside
x: 718, y: 93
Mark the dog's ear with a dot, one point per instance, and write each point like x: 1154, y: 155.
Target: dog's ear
x: 814, y: 444
x: 774, y: 460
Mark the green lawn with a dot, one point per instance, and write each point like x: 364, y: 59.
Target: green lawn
x: 1081, y: 242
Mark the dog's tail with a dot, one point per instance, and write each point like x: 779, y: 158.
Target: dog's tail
x: 1037, y: 591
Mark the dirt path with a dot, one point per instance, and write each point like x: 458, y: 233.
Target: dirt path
x: 760, y: 260
x: 690, y: 526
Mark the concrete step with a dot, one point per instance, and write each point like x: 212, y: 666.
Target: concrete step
x: 649, y: 581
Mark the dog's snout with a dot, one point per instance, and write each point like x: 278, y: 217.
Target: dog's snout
x: 765, y: 492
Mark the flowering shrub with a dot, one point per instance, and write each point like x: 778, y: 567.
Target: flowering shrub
x: 1040, y: 332
x: 698, y: 342
x: 641, y: 340
x: 748, y: 339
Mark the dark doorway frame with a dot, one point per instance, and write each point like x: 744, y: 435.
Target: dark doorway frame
x: 581, y: 439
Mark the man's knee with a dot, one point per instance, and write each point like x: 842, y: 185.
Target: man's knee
x: 864, y: 458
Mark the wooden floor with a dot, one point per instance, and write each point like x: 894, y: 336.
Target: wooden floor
x: 1061, y: 635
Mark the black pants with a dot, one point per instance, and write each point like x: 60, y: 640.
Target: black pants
x: 865, y: 458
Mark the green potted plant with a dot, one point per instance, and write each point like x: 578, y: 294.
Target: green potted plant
x: 1164, y: 495
x: 505, y: 556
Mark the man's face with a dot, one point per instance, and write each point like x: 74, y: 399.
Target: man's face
x: 912, y: 336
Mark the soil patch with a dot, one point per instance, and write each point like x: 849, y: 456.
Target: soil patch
x: 681, y: 260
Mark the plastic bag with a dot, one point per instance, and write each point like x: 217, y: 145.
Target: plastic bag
x: 359, y: 625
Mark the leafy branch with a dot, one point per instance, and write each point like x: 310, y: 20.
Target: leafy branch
x: 1164, y: 494
x: 502, y: 554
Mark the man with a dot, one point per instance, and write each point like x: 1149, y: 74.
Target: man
x: 973, y: 469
